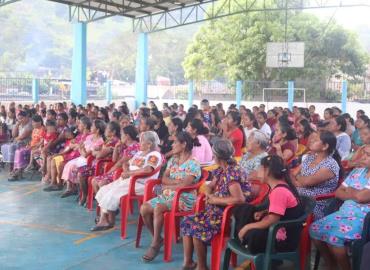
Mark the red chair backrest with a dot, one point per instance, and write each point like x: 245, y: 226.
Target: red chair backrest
x: 263, y: 191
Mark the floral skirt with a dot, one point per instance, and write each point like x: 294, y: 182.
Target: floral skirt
x: 340, y: 227
x: 107, y: 177
x: 186, y: 203
x: 203, y: 225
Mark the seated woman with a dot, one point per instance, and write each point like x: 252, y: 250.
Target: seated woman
x: 331, y: 233
x: 256, y: 150
x: 174, y: 127
x: 202, y: 150
x: 252, y: 226
x: 145, y: 161
x: 356, y: 159
x: 228, y: 187
x: 304, y: 130
x: 21, y: 136
x: 122, y: 153
x: 112, y: 135
x: 320, y: 169
x: 234, y: 132
x: 55, y: 164
x: 338, y: 126
x: 249, y: 123
x: 24, y: 155
x: 182, y: 170
x: 360, y: 123
x: 93, y: 142
x: 282, y: 144
x: 58, y: 160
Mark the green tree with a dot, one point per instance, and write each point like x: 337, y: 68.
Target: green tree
x: 235, y: 47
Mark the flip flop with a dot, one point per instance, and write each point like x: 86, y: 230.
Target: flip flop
x: 101, y: 228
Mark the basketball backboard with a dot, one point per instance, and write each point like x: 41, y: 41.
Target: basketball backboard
x: 285, y: 54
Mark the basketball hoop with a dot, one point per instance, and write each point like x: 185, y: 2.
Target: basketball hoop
x: 285, y: 54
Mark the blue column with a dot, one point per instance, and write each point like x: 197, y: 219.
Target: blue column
x: 190, y: 93
x: 141, y: 78
x: 290, y: 94
x: 35, y: 91
x: 108, y: 92
x: 238, y: 93
x: 344, y: 96
x: 78, y: 91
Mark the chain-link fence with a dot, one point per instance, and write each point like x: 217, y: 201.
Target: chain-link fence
x: 14, y: 89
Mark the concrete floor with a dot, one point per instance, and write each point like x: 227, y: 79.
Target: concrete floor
x: 39, y: 230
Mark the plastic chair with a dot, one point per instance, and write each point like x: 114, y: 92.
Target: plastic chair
x: 219, y: 241
x: 99, y: 169
x: 262, y: 261
x: 127, y: 200
x: 171, y: 218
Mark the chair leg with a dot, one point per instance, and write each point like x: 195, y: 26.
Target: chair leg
x: 234, y: 260
x: 168, y: 232
x: 138, y: 231
x: 317, y: 260
x: 90, y: 195
x: 227, y: 258
x: 216, y: 253
x: 124, y: 215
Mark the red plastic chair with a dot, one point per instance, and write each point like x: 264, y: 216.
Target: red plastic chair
x: 127, y: 200
x: 99, y: 170
x: 219, y: 241
x: 171, y: 218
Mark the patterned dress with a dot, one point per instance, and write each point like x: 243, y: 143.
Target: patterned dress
x: 177, y: 172
x: 128, y: 152
x: 346, y: 224
x: 86, y: 171
x: 326, y: 187
x: 207, y: 223
x: 251, y: 164
x: 22, y: 155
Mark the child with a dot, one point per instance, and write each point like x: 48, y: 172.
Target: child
x: 252, y: 226
x: 68, y: 153
x: 46, y: 149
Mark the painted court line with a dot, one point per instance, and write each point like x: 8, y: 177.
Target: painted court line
x: 88, y: 236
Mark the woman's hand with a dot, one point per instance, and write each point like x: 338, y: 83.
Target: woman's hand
x: 258, y: 215
x: 243, y: 232
x: 125, y: 175
x: 211, y: 199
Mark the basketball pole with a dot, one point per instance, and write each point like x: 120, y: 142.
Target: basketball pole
x: 290, y: 95
x: 344, y: 96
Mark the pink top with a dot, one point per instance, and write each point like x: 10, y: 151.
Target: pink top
x: 91, y: 143
x: 280, y: 199
x: 202, y: 153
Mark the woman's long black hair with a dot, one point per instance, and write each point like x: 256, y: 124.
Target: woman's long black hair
x: 327, y: 137
x: 278, y: 170
x: 307, y: 129
x: 184, y: 137
x: 237, y: 119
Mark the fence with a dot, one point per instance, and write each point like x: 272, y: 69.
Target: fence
x: 20, y: 89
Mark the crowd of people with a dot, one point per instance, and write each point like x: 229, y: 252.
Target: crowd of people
x: 297, y: 153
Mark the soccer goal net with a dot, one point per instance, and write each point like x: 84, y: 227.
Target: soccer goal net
x: 281, y: 95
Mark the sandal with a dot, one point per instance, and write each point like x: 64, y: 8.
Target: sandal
x: 101, y: 228
x: 152, y: 252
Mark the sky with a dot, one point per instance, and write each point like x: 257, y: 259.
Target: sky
x: 348, y: 17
